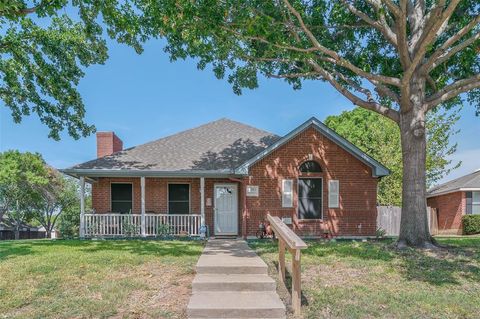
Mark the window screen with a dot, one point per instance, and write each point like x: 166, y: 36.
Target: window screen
x: 121, y: 198
x: 310, y: 198
x: 178, y: 198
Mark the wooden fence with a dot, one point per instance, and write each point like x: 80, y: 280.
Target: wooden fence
x: 130, y: 225
x: 388, y: 218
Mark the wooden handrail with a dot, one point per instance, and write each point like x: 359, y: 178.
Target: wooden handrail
x: 288, y: 239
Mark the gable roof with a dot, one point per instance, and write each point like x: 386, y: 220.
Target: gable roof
x: 218, y: 146
x: 378, y: 169
x: 468, y: 182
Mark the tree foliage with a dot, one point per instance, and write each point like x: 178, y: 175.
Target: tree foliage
x: 43, y: 53
x: 380, y: 138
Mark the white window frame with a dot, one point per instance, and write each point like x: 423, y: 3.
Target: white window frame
x: 336, y: 202
x: 290, y: 193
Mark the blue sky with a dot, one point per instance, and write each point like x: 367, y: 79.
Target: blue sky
x: 145, y: 97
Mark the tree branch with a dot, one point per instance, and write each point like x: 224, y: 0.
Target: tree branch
x: 373, y: 106
x: 337, y: 59
x: 441, y: 53
x: 452, y: 90
x: 427, y: 38
x: 383, y: 28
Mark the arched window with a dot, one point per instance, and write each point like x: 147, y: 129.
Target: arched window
x: 310, y: 167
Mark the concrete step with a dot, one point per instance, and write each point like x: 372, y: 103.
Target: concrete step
x: 235, y: 282
x: 232, y: 269
x: 235, y: 305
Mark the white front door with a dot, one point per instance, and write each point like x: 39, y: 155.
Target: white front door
x: 226, y: 209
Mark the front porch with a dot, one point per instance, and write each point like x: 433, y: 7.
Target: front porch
x: 153, y: 206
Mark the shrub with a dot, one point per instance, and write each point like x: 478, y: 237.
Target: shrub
x: 471, y: 224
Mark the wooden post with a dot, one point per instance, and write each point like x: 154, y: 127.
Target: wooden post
x: 202, y: 201
x: 287, y: 239
x: 281, y: 260
x: 296, y: 283
x: 142, y: 221
x: 82, y: 207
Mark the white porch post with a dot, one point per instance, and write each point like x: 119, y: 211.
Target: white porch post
x: 202, y: 201
x: 82, y: 207
x: 142, y: 187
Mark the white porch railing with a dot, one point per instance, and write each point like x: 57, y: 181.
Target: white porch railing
x: 130, y: 225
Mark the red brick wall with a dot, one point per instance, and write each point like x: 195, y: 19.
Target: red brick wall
x: 357, y: 213
x: 108, y: 143
x: 450, y: 209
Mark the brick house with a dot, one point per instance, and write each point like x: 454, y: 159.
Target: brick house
x: 229, y: 176
x: 454, y: 199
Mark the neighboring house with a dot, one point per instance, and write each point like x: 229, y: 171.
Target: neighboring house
x: 233, y: 175
x: 454, y: 199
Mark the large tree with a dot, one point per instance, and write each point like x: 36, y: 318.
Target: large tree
x: 380, y: 138
x: 399, y: 58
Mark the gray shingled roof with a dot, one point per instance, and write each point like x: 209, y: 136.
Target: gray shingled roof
x: 216, y: 146
x: 471, y: 180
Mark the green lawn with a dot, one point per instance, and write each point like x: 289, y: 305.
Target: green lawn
x: 96, y: 279
x: 346, y: 279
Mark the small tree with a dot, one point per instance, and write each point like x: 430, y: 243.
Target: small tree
x: 53, y: 199
x: 21, y: 174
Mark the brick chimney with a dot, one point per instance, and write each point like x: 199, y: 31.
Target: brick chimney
x: 108, y: 143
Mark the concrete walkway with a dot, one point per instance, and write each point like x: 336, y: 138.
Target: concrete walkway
x: 232, y: 282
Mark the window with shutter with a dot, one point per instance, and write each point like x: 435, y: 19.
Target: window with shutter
x: 333, y: 194
x: 287, y: 193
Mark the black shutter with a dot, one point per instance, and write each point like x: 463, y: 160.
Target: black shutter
x: 469, y: 202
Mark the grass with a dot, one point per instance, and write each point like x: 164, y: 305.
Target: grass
x: 96, y: 279
x: 347, y: 279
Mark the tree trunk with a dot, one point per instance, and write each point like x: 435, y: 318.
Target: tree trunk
x: 17, y: 232
x: 48, y: 234
x: 414, y: 231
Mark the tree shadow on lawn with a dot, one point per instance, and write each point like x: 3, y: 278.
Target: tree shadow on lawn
x: 444, y: 267
x: 139, y: 247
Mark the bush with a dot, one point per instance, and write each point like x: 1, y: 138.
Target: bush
x: 471, y: 224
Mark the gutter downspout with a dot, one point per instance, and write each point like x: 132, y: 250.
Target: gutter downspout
x: 244, y: 204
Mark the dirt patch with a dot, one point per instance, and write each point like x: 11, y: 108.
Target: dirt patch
x: 165, y: 294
